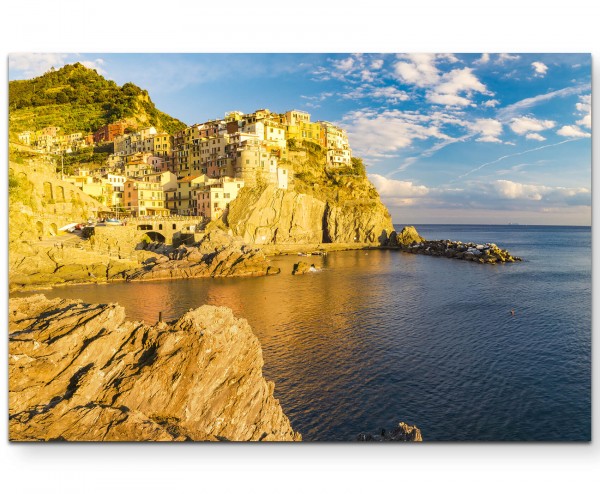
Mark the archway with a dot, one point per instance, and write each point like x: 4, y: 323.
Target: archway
x: 156, y: 237
x: 48, y: 191
x: 60, y: 194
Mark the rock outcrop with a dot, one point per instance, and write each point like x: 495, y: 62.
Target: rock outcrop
x: 407, y: 236
x: 402, y: 433
x: 35, y: 265
x: 217, y: 255
x: 81, y: 372
x: 269, y: 215
x: 302, y: 267
x: 408, y: 240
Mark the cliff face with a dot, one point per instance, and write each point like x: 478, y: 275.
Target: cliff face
x: 274, y: 216
x: 81, y: 372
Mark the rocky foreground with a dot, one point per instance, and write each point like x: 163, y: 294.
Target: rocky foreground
x: 81, y: 372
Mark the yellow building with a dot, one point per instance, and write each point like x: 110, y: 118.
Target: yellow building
x: 143, y: 198
x: 211, y: 200
x: 184, y: 197
x: 162, y: 144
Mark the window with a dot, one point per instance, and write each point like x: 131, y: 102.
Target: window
x: 174, y: 226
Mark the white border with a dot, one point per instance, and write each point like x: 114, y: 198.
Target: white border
x: 461, y: 26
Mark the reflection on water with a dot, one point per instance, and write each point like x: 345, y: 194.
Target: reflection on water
x: 380, y: 336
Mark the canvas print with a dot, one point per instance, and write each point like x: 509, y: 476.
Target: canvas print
x: 299, y: 247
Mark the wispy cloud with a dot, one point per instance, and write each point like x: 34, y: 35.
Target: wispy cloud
x: 502, y: 158
x: 516, y: 109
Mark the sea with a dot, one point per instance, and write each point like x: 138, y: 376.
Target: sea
x: 377, y: 337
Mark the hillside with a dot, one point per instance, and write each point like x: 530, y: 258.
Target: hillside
x: 78, y: 99
x: 326, y: 205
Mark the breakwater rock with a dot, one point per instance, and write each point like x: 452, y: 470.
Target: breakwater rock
x: 408, y: 240
x: 483, y: 253
x: 197, y: 262
x: 81, y: 372
x: 402, y: 433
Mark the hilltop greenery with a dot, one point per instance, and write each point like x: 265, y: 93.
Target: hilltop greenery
x: 78, y: 99
x: 312, y: 176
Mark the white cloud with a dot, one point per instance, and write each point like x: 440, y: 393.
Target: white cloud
x: 539, y: 68
x: 372, y: 134
x: 507, y: 189
x: 485, y: 58
x: 585, y: 107
x: 523, y: 125
x: 367, y: 75
x: 376, y: 64
x: 506, y: 57
x: 345, y: 65
x: 535, y: 136
x: 452, y: 84
x: 448, y: 99
x: 453, y: 88
x: 35, y: 64
x: 388, y: 93
x: 488, y: 128
x: 572, y: 131
x: 95, y: 65
x: 491, y: 103
x: 397, y: 189
x: 460, y: 81
x: 419, y: 70
x: 515, y: 190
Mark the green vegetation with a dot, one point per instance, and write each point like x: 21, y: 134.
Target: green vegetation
x: 91, y: 158
x: 337, y: 185
x: 78, y: 99
x: 19, y: 189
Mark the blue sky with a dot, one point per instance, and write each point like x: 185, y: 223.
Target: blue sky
x: 448, y: 138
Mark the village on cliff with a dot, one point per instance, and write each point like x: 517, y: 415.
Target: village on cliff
x: 196, y: 171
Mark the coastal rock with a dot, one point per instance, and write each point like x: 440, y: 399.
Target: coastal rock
x: 270, y: 215
x: 403, y: 433
x: 193, y: 262
x: 410, y: 241
x: 407, y: 236
x: 302, y: 267
x: 81, y: 372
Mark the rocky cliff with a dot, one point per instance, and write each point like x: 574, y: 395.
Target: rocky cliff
x: 322, y: 205
x: 81, y: 372
x: 216, y: 255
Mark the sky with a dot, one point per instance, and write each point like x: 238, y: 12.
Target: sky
x: 491, y: 138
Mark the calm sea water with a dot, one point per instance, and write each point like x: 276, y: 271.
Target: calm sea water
x: 382, y: 336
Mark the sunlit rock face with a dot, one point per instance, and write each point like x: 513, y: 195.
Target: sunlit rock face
x: 81, y: 372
